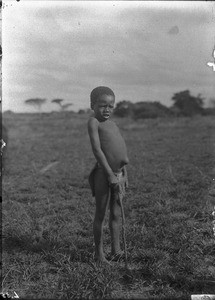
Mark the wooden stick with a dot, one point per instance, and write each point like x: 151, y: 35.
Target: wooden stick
x: 123, y: 230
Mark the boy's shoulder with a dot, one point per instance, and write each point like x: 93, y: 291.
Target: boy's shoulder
x: 92, y: 120
x: 93, y: 124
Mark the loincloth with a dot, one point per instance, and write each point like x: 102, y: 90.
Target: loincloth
x: 118, y: 188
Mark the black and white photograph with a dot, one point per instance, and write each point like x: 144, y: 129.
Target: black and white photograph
x: 108, y: 149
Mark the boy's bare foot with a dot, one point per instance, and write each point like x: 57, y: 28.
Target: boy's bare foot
x: 102, y: 261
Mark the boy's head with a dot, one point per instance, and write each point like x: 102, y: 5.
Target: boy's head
x: 97, y: 94
x: 102, y: 102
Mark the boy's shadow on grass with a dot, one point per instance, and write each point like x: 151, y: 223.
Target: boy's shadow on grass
x: 80, y: 251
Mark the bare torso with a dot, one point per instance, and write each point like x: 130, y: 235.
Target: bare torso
x: 113, y: 145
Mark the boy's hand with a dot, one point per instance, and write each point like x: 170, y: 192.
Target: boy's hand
x: 112, y: 179
x: 114, y: 186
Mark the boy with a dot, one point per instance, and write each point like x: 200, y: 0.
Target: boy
x: 109, y: 177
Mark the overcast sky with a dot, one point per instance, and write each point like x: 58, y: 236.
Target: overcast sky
x: 143, y: 50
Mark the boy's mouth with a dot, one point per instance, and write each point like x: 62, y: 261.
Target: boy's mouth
x: 106, y: 115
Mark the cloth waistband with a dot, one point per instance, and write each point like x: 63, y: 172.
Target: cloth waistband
x: 118, y: 174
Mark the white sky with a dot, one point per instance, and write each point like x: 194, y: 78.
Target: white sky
x: 143, y: 50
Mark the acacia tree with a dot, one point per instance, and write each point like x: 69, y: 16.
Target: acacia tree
x: 58, y: 102
x: 188, y: 104
x: 63, y: 107
x: 36, y: 102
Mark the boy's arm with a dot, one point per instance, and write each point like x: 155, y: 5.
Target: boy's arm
x: 97, y: 151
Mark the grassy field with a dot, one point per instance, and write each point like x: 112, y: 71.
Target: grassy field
x: 48, y: 210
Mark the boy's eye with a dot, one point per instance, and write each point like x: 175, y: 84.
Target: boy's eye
x: 107, y: 106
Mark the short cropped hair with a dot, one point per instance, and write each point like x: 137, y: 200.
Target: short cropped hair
x: 98, y: 92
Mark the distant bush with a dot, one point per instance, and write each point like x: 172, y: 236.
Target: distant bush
x: 81, y: 111
x: 209, y: 111
x: 142, y: 110
x: 9, y: 112
x: 85, y: 111
x: 175, y: 111
x: 146, y: 110
x: 187, y: 104
x: 124, y: 109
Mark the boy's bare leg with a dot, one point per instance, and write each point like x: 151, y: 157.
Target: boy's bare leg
x: 114, y: 224
x: 102, y: 201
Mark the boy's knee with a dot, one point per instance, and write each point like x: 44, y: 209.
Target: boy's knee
x: 99, y: 217
x: 115, y: 210
x: 115, y: 216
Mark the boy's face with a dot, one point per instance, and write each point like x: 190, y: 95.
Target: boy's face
x: 104, y: 106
